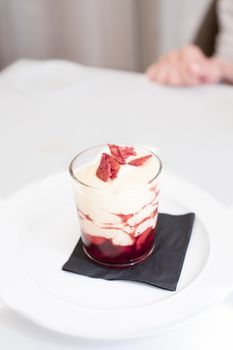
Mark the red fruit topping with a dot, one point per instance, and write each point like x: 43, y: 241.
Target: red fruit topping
x: 121, y: 153
x: 140, y: 161
x: 108, y: 168
x: 127, y: 151
x: 116, y: 153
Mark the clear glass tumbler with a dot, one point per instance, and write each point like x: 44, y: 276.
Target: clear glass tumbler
x: 118, y: 226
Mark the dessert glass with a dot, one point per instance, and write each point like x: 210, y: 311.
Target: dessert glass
x: 118, y: 226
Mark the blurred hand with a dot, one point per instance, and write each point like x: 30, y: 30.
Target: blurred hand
x: 187, y: 67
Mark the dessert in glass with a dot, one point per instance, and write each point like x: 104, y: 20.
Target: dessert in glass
x: 116, y: 194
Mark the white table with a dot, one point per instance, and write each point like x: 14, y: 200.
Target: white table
x: 51, y: 110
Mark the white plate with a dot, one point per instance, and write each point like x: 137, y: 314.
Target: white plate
x: 39, y: 229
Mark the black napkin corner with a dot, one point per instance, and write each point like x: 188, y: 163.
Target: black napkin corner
x: 161, y: 269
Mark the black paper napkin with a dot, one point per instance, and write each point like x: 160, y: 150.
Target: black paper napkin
x: 161, y: 269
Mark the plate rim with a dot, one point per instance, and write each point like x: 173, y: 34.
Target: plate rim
x: 187, y: 189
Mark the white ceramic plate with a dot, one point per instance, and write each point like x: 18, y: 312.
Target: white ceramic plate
x: 39, y: 229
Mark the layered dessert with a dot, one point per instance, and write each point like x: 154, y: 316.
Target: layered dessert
x: 116, y: 195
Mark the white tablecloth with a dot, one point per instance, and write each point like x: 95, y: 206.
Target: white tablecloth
x: 51, y: 110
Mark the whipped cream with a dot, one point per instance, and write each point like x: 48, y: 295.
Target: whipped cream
x: 128, y: 177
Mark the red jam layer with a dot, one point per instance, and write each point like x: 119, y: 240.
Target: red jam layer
x: 102, y: 250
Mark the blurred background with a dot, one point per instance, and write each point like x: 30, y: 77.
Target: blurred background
x: 119, y: 34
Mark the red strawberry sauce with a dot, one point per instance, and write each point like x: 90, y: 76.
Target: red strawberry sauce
x: 103, y: 250
x: 100, y: 248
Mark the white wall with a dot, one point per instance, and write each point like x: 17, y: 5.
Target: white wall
x: 123, y: 34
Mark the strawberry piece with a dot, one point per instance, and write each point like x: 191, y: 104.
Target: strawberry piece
x: 121, y: 153
x: 96, y: 240
x: 127, y: 151
x: 108, y: 168
x: 140, y: 161
x: 90, y: 239
x: 116, y: 153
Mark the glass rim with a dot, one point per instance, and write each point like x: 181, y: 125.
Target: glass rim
x: 75, y: 178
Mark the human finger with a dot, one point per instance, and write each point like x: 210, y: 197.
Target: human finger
x: 151, y: 71
x: 161, y: 73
